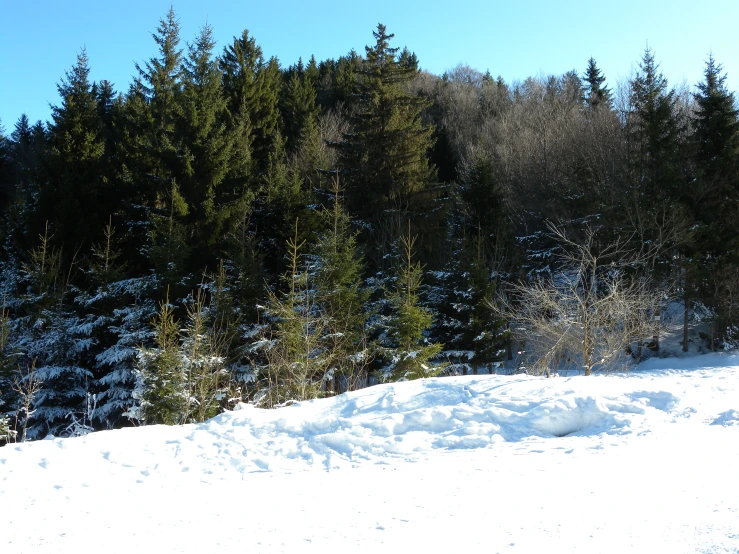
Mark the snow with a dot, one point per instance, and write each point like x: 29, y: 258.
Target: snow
x: 645, y: 461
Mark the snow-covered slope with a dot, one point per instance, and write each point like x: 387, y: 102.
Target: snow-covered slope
x: 640, y: 462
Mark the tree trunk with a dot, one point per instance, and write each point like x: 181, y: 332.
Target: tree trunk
x: 685, y: 311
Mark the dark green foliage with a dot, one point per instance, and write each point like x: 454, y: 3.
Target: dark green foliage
x: 596, y: 94
x: 298, y: 105
x: 75, y: 190
x: 252, y: 86
x: 714, y: 201
x: 210, y: 151
x: 198, y: 172
x: 653, y: 134
x: 341, y: 295
x: 406, y: 349
x: 155, y: 109
x: 716, y: 143
x: 384, y: 154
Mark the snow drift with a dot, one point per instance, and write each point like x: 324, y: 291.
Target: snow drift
x: 543, y: 459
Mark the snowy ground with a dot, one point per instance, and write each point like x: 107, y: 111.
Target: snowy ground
x: 640, y: 462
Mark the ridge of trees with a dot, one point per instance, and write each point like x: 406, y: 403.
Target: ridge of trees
x: 226, y: 228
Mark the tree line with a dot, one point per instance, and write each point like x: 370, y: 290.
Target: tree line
x: 228, y: 229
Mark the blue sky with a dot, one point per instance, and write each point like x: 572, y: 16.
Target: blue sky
x: 39, y: 39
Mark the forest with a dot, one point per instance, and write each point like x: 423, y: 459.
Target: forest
x: 229, y: 229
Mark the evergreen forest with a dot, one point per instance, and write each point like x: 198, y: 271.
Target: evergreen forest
x: 227, y: 228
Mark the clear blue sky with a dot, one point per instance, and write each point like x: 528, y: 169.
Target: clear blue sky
x: 39, y: 39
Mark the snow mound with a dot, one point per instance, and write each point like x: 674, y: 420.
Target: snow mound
x: 638, y: 462
x: 406, y: 420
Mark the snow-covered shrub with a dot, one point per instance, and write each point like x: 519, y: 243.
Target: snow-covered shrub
x: 6, y: 434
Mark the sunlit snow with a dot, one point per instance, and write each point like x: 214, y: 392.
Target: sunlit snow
x: 641, y: 462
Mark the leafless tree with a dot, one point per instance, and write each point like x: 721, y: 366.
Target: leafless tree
x: 588, y: 314
x: 27, y: 385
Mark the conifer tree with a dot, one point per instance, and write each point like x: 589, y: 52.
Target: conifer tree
x: 156, y: 107
x: 209, y: 149
x: 297, y: 361
x: 406, y: 348
x: 715, y: 199
x: 252, y: 86
x: 167, y: 247
x: 298, y: 106
x: 596, y: 94
x: 116, y: 309
x: 716, y: 138
x: 75, y: 188
x: 341, y: 296
x: 653, y: 131
x: 162, y: 390
x: 385, y: 154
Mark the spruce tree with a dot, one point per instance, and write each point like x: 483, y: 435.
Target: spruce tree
x: 716, y: 139
x: 653, y: 134
x: 298, y: 106
x: 162, y: 390
x: 715, y: 199
x: 209, y: 150
x: 155, y: 106
x: 75, y: 188
x: 596, y: 94
x: 384, y: 156
x: 342, y: 297
x: 252, y: 86
x: 406, y: 349
x: 297, y: 361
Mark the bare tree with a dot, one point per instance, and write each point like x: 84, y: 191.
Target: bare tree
x: 588, y: 314
x: 27, y: 385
